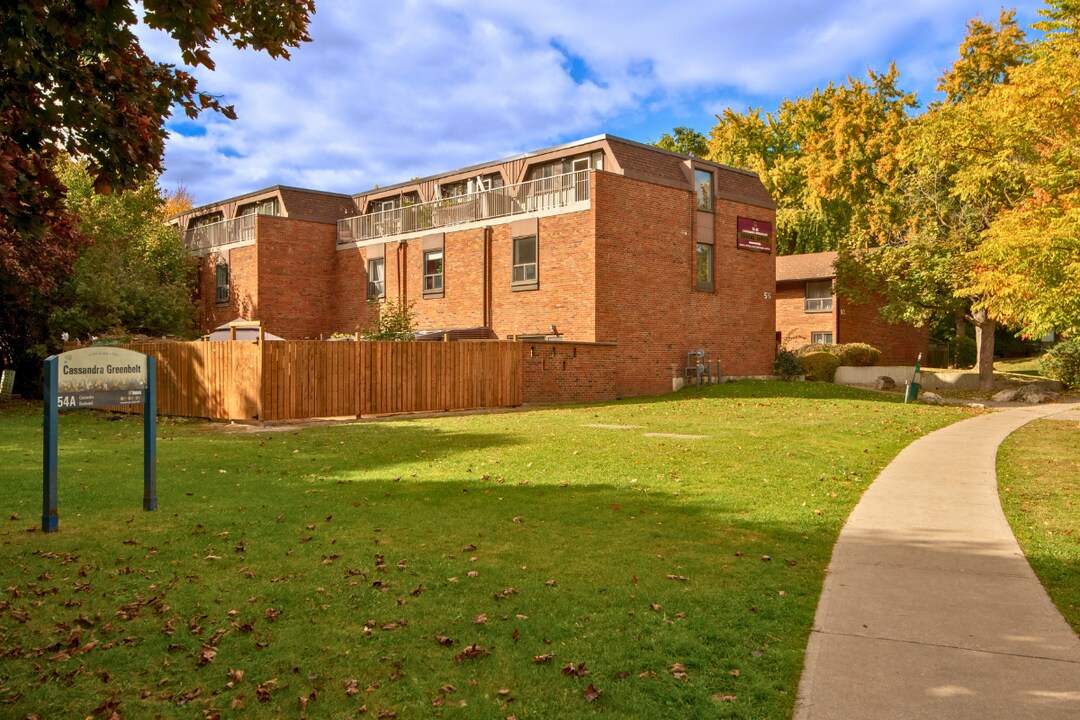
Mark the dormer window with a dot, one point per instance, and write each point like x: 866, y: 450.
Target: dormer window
x: 269, y: 206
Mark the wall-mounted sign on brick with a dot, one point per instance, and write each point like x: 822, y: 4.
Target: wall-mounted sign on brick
x: 754, y: 235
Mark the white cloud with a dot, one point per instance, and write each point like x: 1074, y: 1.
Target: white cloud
x: 390, y: 91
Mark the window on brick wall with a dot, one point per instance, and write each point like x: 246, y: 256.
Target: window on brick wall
x: 376, y: 279
x: 703, y: 267
x: 525, y: 274
x: 221, y: 284
x: 818, y: 296
x: 821, y: 338
x: 704, y: 188
x: 433, y: 272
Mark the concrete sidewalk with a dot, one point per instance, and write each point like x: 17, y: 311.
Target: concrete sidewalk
x: 930, y: 609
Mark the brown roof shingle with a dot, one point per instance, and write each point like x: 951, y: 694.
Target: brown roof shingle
x: 811, y: 266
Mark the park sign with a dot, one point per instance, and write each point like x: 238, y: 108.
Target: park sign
x: 100, y: 377
x: 97, y: 377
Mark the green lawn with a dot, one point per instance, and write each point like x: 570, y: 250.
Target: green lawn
x: 480, y: 566
x: 1039, y: 484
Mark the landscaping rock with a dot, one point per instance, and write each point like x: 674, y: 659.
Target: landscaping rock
x: 885, y: 382
x: 1035, y: 395
x: 932, y: 398
x: 1006, y: 395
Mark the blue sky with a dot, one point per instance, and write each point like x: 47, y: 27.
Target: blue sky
x: 390, y: 91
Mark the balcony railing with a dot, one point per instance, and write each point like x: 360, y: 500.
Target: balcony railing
x: 545, y: 194
x: 224, y: 232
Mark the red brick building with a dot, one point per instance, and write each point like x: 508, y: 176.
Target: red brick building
x: 809, y: 311
x: 603, y: 240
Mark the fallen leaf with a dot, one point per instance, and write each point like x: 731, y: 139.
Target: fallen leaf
x: 647, y: 674
x: 678, y: 671
x: 472, y: 651
x: 235, y: 677
x: 723, y: 698
x: 680, y: 578
x: 443, y: 640
x: 352, y: 687
x: 541, y: 659
x: 480, y: 619
x: 262, y: 690
x: 207, y: 655
x: 765, y: 558
x: 591, y: 693
x: 519, y: 519
x: 735, y: 673
x: 572, y: 670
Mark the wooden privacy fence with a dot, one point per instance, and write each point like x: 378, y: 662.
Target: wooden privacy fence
x: 289, y: 380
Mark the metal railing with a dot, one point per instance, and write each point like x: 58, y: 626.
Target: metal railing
x: 545, y: 194
x: 223, y: 232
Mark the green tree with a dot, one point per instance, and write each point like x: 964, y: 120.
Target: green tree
x: 1026, y: 270
x: 947, y: 182
x: 684, y: 140
x: 74, y: 80
x: 136, y: 277
x: 824, y: 158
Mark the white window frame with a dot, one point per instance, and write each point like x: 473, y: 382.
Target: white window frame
x: 818, y: 303
x: 376, y: 287
x: 821, y: 338
x: 519, y: 274
x: 434, y: 282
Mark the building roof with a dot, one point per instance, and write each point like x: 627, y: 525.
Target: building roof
x: 810, y: 266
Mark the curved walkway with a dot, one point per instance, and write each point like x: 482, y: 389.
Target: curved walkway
x: 930, y: 609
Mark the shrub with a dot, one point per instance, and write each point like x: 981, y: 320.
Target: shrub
x: 786, y: 365
x: 820, y: 366
x: 392, y: 321
x: 1062, y: 362
x: 816, y: 347
x: 858, y: 354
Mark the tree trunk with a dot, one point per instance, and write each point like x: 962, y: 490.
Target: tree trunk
x: 984, y: 344
x: 961, y: 325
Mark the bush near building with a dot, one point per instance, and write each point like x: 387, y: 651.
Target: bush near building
x: 1062, y: 362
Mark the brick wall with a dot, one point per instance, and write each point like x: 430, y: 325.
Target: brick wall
x: 794, y: 324
x: 645, y: 294
x: 352, y: 311
x: 297, y: 264
x: 559, y: 372
x: 243, y: 284
x: 900, y: 344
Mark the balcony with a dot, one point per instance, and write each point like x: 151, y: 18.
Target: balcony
x: 204, y: 238
x: 552, y: 194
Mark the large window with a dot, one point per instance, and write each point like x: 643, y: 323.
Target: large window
x: 525, y: 275
x: 221, y: 284
x: 704, y: 189
x: 433, y: 272
x: 818, y: 296
x: 376, y: 279
x: 704, y: 267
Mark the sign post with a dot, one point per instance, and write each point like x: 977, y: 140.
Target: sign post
x: 97, y: 377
